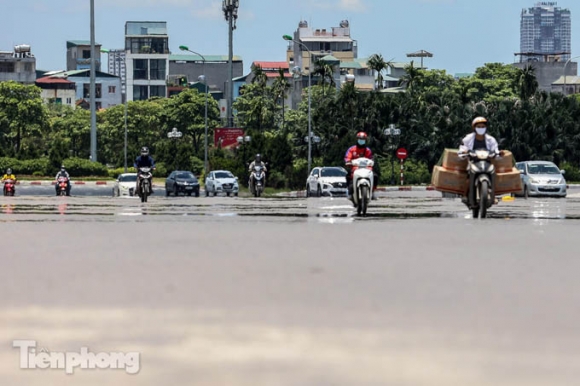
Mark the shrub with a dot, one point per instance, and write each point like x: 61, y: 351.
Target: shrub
x: 276, y: 180
x: 114, y: 173
x: 80, y: 167
x: 572, y: 172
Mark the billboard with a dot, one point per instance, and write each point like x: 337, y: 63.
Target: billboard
x: 227, y: 138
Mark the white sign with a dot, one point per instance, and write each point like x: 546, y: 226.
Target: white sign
x: 223, y: 104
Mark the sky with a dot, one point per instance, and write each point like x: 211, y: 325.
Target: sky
x: 461, y: 34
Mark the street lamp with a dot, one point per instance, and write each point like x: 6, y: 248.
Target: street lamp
x: 174, y: 134
x: 565, y: 65
x: 117, y: 58
x: 289, y: 38
x: 391, y: 132
x: 92, y: 87
x: 230, y: 8
x: 185, y: 48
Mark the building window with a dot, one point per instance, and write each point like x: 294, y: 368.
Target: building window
x: 147, y: 45
x: 98, y: 105
x: 87, y: 90
x: 140, y: 68
x: 140, y: 93
x: 158, y: 67
x: 158, y: 91
x: 28, y: 67
x: 6, y: 67
x: 69, y: 101
x: 112, y: 89
x: 86, y: 54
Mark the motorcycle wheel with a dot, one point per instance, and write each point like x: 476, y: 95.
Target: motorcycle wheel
x: 12, y: 193
x: 483, y: 192
x: 364, y: 199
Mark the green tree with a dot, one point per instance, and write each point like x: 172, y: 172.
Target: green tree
x: 24, y: 120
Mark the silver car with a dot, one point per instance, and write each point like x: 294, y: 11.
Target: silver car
x: 542, y: 178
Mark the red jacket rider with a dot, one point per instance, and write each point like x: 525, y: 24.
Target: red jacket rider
x: 359, y: 150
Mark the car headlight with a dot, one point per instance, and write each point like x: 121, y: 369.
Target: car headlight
x: 562, y: 181
x: 535, y: 181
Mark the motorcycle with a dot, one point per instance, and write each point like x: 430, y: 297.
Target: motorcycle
x: 481, y: 193
x: 257, y: 179
x: 144, y: 190
x: 362, y: 183
x: 9, y: 187
x: 62, y: 185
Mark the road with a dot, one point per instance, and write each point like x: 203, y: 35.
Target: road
x: 234, y: 291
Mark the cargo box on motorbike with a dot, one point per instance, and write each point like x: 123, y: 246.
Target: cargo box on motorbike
x: 451, y: 181
x: 510, y: 182
x: 504, y: 164
x: 451, y: 161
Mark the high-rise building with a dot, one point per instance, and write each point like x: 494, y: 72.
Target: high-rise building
x: 545, y: 33
x: 147, y: 59
x: 116, y: 65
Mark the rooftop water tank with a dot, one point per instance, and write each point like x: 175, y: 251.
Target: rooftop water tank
x: 22, y: 48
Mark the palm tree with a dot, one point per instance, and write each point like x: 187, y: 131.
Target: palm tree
x: 378, y: 64
x: 258, y: 75
x: 526, y: 82
x: 325, y: 71
x: 281, y: 87
x: 412, y: 78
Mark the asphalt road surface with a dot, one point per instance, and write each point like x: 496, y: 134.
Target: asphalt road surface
x: 234, y: 291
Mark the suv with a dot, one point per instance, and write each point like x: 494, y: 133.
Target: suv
x: 542, y: 178
x: 221, y: 181
x: 327, y: 181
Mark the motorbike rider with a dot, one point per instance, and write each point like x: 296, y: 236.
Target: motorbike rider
x: 63, y: 173
x: 256, y: 161
x: 478, y: 139
x: 144, y: 160
x: 358, y: 151
x: 9, y: 176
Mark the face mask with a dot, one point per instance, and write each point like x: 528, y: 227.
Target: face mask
x: 481, y: 130
x: 361, y: 142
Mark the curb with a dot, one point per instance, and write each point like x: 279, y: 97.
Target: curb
x: 49, y: 183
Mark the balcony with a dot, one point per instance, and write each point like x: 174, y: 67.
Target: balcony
x: 87, y: 61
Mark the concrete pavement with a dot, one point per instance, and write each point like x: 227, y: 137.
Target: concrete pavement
x: 233, y: 291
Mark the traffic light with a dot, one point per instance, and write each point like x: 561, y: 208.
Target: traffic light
x: 183, y: 81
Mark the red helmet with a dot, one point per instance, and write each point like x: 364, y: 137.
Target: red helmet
x: 361, y: 135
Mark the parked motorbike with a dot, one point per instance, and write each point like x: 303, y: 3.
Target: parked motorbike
x: 481, y: 194
x: 62, y: 185
x: 257, y: 180
x: 9, y: 187
x: 362, y: 182
x: 144, y: 189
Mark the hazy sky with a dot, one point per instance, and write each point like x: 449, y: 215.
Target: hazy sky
x: 462, y: 34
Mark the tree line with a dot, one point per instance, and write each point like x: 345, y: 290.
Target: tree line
x: 433, y: 113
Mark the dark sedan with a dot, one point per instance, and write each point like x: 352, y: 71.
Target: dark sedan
x: 181, y: 182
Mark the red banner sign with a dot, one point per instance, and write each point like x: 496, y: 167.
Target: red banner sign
x: 227, y: 137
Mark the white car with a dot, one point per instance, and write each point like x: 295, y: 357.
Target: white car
x: 221, y: 181
x: 125, y: 185
x: 327, y: 181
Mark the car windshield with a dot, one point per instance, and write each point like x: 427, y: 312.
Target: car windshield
x: 543, y: 169
x: 128, y: 178
x: 224, y: 175
x: 186, y: 176
x: 332, y: 172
